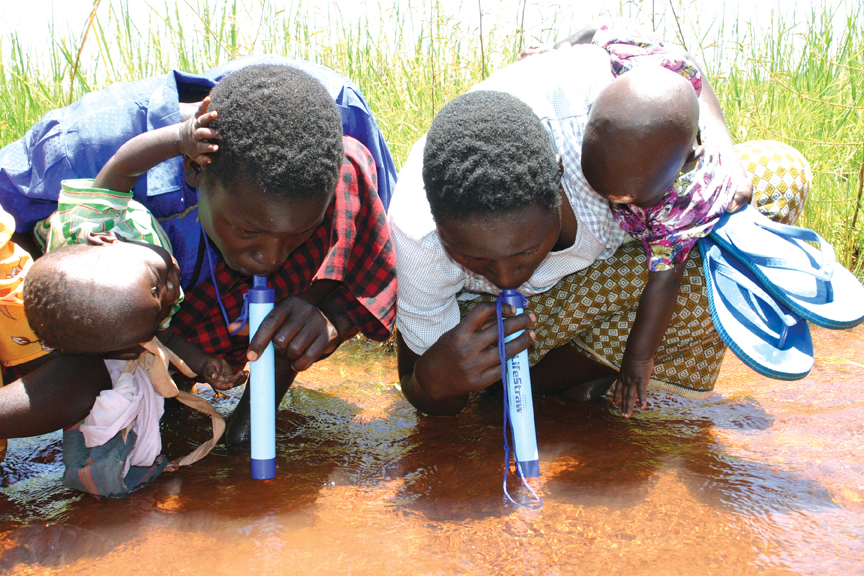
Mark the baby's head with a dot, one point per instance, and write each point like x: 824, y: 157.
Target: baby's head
x: 641, y: 131
x: 91, y: 300
x: 273, y: 178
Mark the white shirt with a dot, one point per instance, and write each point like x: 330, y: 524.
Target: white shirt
x: 560, y: 87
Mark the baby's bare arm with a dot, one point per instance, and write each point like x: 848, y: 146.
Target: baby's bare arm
x: 715, y: 122
x: 656, y: 307
x: 210, y: 368
x: 146, y: 150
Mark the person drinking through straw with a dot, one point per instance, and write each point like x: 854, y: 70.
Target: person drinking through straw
x: 495, y: 196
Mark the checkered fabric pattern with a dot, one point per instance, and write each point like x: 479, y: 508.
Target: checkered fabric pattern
x: 352, y: 246
x: 594, y: 308
x: 781, y: 178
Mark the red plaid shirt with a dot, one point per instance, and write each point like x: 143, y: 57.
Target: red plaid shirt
x: 352, y: 246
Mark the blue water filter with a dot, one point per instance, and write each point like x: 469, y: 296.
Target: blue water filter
x: 262, y: 393
x: 518, y: 390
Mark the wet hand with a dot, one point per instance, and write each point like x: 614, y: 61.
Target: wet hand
x: 632, y: 384
x: 298, y: 330
x: 218, y: 374
x: 194, y: 133
x: 465, y: 359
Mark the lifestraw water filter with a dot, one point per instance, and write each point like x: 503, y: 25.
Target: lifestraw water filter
x: 521, y: 407
x: 262, y: 393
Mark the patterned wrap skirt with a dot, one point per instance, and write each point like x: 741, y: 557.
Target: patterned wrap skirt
x: 594, y: 309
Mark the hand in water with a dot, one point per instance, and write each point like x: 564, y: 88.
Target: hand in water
x: 218, y: 374
x: 632, y: 383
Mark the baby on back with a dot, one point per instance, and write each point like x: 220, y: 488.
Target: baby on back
x: 643, y: 151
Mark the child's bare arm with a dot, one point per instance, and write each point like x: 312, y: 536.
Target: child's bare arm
x: 212, y: 369
x: 656, y: 307
x: 715, y: 122
x: 147, y: 150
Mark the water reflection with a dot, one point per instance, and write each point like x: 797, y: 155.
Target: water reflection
x: 764, y: 477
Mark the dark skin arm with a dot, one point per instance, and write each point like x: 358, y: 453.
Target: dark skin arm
x: 463, y: 360
x: 212, y: 369
x: 656, y: 307
x: 715, y: 122
x: 58, y: 392
x: 146, y: 150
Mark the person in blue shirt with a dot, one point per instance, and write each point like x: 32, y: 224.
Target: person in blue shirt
x: 350, y: 287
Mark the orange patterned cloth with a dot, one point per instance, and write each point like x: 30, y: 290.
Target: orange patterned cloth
x: 18, y: 343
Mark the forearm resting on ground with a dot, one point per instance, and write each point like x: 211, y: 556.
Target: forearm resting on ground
x: 57, y: 393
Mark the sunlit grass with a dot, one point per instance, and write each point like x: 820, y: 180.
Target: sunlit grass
x: 798, y: 82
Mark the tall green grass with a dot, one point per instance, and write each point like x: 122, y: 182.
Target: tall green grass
x: 800, y: 82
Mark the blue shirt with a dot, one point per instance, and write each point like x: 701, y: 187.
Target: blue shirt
x: 76, y: 142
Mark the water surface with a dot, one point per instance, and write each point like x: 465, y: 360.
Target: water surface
x: 764, y: 477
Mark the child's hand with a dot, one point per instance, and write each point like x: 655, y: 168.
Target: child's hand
x: 193, y: 135
x: 632, y: 382
x: 742, y: 196
x: 218, y: 374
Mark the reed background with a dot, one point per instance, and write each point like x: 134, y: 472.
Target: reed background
x: 796, y: 77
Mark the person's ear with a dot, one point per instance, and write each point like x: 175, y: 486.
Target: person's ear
x: 560, y: 161
x: 194, y: 172
x: 101, y: 238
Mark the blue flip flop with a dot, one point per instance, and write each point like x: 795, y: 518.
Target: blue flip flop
x: 807, y: 280
x: 760, y: 331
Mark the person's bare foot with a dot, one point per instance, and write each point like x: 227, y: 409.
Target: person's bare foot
x: 592, y: 390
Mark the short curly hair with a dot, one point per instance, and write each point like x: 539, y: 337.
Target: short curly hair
x: 485, y: 152
x: 67, y: 306
x: 279, y: 130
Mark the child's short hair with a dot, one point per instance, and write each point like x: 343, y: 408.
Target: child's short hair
x: 279, y: 129
x: 68, y: 308
x: 487, y: 151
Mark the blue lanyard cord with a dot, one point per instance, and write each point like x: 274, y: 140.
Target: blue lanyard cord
x: 244, y: 314
x: 502, y: 355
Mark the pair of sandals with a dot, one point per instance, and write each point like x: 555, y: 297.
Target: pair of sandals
x: 765, y: 281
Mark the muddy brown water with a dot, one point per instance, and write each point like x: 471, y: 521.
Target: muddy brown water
x: 764, y: 477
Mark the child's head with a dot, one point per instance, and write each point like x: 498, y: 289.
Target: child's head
x: 280, y: 155
x: 493, y: 185
x: 85, y: 299
x: 641, y: 131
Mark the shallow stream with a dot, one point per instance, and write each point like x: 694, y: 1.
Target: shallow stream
x: 764, y: 477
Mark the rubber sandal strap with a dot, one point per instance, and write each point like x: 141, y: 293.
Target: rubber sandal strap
x: 826, y: 267
x: 755, y: 292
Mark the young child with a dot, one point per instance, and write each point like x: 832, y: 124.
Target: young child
x: 95, y: 294
x: 678, y: 191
